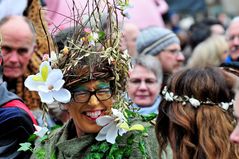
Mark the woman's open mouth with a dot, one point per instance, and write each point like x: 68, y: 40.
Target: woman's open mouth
x: 93, y: 115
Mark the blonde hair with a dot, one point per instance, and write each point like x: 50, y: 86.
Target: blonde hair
x: 209, y: 52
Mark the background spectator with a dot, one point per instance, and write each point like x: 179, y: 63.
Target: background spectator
x: 130, y: 34
x: 164, y: 45
x: 195, y: 116
x: 146, y: 13
x: 17, y: 50
x: 144, y: 84
x: 16, y: 122
x: 232, y: 35
x: 211, y: 52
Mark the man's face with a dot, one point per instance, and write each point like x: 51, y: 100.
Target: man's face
x: 171, y: 58
x: 84, y: 113
x: 17, y: 48
x: 234, y: 137
x: 233, y: 40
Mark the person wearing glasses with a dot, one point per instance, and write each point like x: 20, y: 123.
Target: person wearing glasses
x: 164, y: 45
x: 144, y: 84
x: 92, y: 76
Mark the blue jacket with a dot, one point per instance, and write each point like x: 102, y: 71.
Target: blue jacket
x: 15, y: 127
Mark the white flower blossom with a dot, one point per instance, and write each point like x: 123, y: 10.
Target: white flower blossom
x: 169, y: 96
x: 111, y: 126
x: 93, y: 38
x: 49, y: 84
x: 225, y: 106
x: 194, y: 102
x: 40, y: 131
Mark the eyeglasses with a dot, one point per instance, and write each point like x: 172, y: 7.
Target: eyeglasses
x: 148, y: 82
x: 84, y: 96
x: 174, y: 52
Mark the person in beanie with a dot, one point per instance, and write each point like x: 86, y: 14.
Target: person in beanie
x: 163, y: 44
x: 16, y: 122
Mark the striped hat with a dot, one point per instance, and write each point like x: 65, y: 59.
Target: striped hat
x: 153, y: 40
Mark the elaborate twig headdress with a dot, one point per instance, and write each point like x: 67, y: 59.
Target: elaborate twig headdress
x: 91, y: 50
x: 94, y: 44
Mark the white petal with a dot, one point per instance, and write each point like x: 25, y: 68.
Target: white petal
x: 102, y: 134
x: 53, y: 76
x: 122, y: 131
x: 46, y: 97
x: 31, y: 84
x: 58, y: 84
x: 194, y: 102
x: 118, y: 114
x: 112, y: 134
x: 42, y: 132
x: 43, y: 88
x: 225, y: 106
x: 63, y: 95
x: 168, y: 97
x: 38, y: 128
x: 114, y: 111
x: 46, y: 63
x: 104, y: 120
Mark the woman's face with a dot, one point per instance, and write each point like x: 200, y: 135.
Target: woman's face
x: 85, y: 112
x: 143, y: 87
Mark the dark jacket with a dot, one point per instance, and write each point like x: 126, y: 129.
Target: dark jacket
x: 15, y: 127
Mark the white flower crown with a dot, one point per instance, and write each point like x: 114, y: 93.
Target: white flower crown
x: 169, y: 96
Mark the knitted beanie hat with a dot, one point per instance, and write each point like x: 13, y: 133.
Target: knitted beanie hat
x: 153, y: 40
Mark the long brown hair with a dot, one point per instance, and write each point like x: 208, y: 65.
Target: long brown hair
x: 202, y: 132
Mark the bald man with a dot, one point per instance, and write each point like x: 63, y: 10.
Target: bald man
x: 130, y: 32
x: 18, y: 43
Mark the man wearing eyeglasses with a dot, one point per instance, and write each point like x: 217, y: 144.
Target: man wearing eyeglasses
x: 163, y: 44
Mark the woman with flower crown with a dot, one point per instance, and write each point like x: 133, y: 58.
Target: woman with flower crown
x: 196, y: 117
x: 88, y: 78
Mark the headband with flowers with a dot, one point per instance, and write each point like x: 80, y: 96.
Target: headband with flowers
x: 170, y: 96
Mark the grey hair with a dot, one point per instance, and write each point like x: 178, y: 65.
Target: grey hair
x: 234, y: 20
x: 151, y: 63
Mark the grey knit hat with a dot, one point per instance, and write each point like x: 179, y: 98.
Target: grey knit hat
x: 153, y: 40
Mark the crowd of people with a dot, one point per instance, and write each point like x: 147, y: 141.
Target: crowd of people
x: 99, y: 84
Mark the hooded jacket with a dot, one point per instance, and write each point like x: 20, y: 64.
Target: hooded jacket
x: 16, y: 126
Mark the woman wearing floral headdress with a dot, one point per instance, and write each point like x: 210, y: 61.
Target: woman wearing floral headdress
x: 195, y: 116
x: 88, y: 78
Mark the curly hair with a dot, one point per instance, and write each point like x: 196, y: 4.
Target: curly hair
x: 201, y: 132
